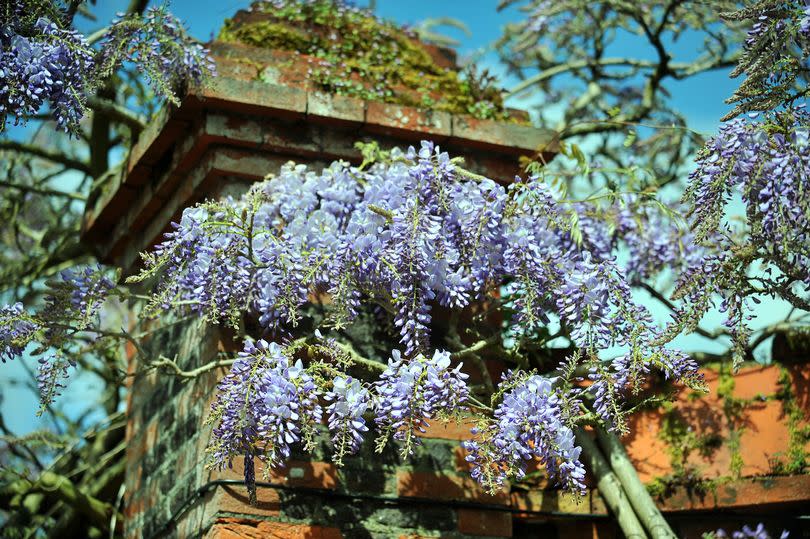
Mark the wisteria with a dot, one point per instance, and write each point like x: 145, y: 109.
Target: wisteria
x: 52, y: 376
x: 411, y: 393
x: 746, y: 532
x: 44, y: 63
x: 78, y: 295
x: 412, y: 233
x: 17, y: 330
x: 159, y: 45
x: 265, y: 404
x: 531, y: 422
x: 349, y: 400
x: 773, y: 57
x: 765, y: 159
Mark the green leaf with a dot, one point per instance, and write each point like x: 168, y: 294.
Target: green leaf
x: 629, y: 139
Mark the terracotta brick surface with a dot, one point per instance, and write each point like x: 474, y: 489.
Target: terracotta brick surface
x: 765, y: 435
x: 408, y: 121
x: 256, y: 97
x: 490, y: 523
x: 294, y: 473
x: 448, y: 430
x: 234, y: 499
x: 647, y: 451
x: 800, y: 385
x: 489, y: 134
x: 445, y: 487
x: 752, y: 492
x: 754, y: 382
x: 331, y: 109
x: 246, y: 529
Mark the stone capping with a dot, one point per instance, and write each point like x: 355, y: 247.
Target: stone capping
x: 178, y: 137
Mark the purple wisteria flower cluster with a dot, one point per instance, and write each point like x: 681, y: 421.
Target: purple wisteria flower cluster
x: 265, y: 403
x: 72, y: 304
x: 529, y: 423
x: 52, y: 376
x: 409, y: 233
x: 269, y: 401
x: 45, y: 63
x: 78, y: 295
x: 409, y: 393
x: 159, y: 45
x: 746, y: 532
x: 349, y: 400
x: 774, y: 57
x: 766, y: 160
x: 17, y: 330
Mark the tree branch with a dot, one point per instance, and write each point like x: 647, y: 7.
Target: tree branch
x: 62, y: 488
x: 42, y: 153
x: 42, y: 191
x: 116, y: 112
x: 177, y: 371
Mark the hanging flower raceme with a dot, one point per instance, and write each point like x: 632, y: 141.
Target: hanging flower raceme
x: 349, y: 401
x: 43, y: 62
x: 529, y: 423
x: 78, y: 295
x: 17, y: 330
x: 265, y: 404
x: 409, y: 393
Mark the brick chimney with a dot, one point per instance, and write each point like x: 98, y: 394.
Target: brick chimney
x: 246, y: 123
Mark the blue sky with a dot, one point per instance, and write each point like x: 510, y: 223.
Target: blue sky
x: 700, y: 99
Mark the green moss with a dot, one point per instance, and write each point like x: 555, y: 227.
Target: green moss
x: 682, y: 440
x: 362, y: 56
x: 796, y: 459
x: 264, y: 34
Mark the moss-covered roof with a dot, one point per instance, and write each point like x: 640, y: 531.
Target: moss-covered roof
x: 354, y: 53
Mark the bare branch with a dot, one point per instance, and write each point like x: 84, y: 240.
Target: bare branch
x: 116, y: 112
x: 42, y: 153
x: 42, y: 191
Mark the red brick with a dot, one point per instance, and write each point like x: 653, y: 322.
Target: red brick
x: 764, y: 435
x: 647, y: 451
x: 754, y: 492
x: 255, y: 97
x: 754, y: 382
x: 236, y: 69
x: 408, y: 122
x: 294, y: 473
x: 234, y: 499
x: 332, y: 109
x: 232, y: 528
x: 448, y: 430
x: 491, y: 523
x: 488, y: 134
x: 800, y: 385
x: 445, y: 487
